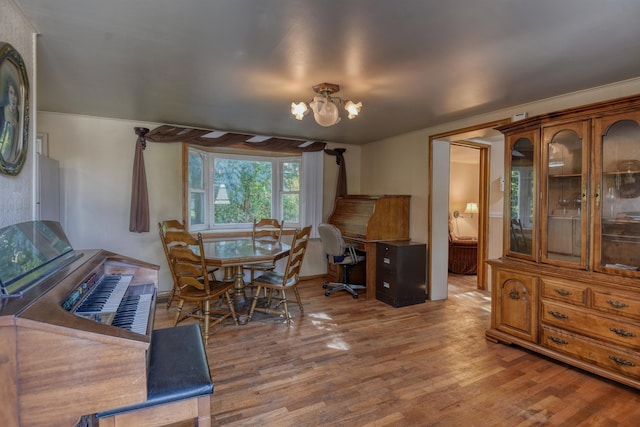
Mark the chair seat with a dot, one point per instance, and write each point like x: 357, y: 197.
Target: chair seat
x: 261, y: 266
x: 346, y: 259
x: 274, y: 278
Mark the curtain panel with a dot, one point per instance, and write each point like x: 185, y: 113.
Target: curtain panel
x: 139, y: 211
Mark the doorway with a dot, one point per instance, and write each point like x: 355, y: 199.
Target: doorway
x: 490, y: 144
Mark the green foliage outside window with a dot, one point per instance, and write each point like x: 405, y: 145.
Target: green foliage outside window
x: 234, y: 190
x: 291, y: 183
x: 248, y: 185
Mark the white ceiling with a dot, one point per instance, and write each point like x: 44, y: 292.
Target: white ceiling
x: 238, y: 64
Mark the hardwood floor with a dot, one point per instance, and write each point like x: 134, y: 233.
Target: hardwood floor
x: 349, y: 362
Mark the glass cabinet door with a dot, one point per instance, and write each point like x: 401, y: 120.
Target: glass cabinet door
x: 521, y: 160
x: 563, y: 223
x: 617, y: 182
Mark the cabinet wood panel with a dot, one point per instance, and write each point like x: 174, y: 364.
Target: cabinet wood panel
x: 515, y: 311
x: 577, y: 297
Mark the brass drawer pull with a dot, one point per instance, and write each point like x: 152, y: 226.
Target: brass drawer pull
x: 562, y: 292
x: 622, y: 332
x: 514, y: 294
x: 558, y: 340
x: 617, y: 304
x: 558, y: 315
x: 622, y: 362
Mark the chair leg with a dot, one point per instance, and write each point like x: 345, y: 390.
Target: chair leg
x: 171, y: 295
x: 286, y: 307
x: 232, y: 309
x: 206, y: 314
x: 268, y: 294
x: 254, y: 303
x: 295, y: 291
x: 178, y: 312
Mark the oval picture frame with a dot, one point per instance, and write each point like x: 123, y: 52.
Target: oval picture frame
x: 14, y: 110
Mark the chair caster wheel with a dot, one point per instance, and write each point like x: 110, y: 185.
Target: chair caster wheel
x: 355, y: 296
x: 327, y: 293
x: 325, y: 286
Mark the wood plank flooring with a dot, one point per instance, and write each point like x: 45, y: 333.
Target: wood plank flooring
x: 356, y: 362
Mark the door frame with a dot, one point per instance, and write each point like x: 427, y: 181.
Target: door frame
x: 436, y: 288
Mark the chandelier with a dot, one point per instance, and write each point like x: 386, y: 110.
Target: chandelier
x: 325, y: 106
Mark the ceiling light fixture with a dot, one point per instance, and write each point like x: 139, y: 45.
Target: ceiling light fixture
x: 325, y: 106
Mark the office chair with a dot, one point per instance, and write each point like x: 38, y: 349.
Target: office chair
x: 340, y: 254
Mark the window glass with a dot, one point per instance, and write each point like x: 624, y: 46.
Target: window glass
x: 196, y: 179
x: 236, y: 189
x: 521, y: 191
x: 291, y: 191
x: 248, y: 186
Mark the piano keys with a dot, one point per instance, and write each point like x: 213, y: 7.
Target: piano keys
x: 364, y: 220
x: 110, y: 299
x: 61, y: 362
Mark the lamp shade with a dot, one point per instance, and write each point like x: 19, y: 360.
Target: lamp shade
x: 299, y: 110
x: 472, y: 208
x: 353, y: 109
x: 325, y: 112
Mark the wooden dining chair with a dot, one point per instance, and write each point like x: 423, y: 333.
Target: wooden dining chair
x: 194, y: 284
x: 267, y: 230
x: 282, y: 282
x: 164, y: 227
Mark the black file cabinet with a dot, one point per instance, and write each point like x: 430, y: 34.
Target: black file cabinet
x: 401, y: 272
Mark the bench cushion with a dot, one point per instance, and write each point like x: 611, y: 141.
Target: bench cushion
x: 178, y: 368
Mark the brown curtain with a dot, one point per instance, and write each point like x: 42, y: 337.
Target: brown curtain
x: 139, y: 213
x: 341, y: 185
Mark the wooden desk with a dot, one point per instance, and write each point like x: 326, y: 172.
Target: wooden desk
x: 233, y: 254
x: 365, y: 220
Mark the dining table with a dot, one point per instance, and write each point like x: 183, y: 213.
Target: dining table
x: 233, y: 254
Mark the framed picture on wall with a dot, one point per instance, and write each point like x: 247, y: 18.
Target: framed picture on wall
x: 14, y: 110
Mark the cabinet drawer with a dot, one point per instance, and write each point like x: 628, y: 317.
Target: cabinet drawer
x: 387, y: 258
x: 564, y: 291
x: 386, y: 286
x: 618, y: 303
x: 587, y: 322
x: 612, y: 358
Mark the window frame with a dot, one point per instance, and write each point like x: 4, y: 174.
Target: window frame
x: 209, y: 156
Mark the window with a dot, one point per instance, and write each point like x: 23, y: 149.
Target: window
x: 231, y: 190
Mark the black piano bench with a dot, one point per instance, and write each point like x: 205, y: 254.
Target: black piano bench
x: 179, y: 385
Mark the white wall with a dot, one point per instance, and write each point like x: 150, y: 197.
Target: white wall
x: 96, y: 162
x: 18, y: 191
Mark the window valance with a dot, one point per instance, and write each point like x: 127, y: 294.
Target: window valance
x: 211, y: 138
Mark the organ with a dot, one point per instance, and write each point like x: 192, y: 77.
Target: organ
x: 365, y: 220
x: 75, y: 327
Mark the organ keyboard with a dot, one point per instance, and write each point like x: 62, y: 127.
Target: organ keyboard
x: 75, y: 327
x: 109, y: 299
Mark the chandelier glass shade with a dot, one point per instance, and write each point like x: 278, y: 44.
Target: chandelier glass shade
x: 325, y: 106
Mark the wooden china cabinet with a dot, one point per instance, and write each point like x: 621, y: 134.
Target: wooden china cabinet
x: 568, y: 284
